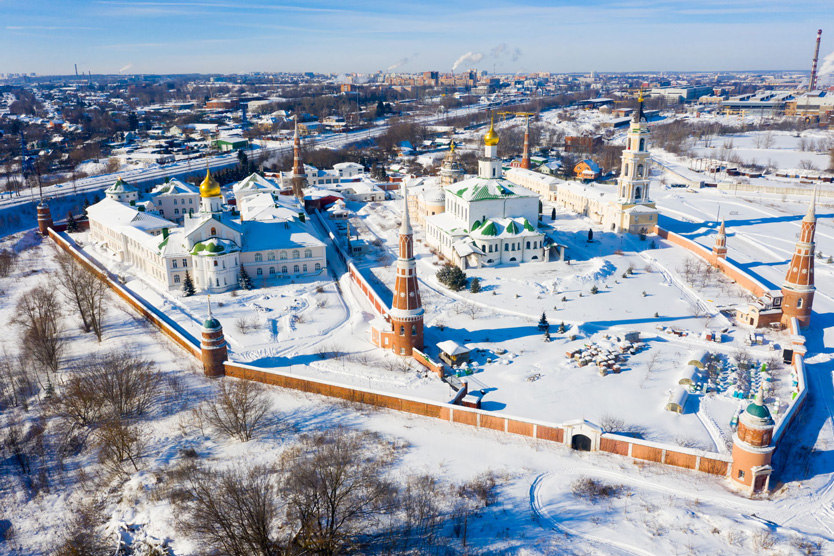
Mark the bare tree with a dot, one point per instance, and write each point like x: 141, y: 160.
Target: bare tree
x: 239, y: 409
x: 120, y: 443
x: 334, y: 489
x: 8, y: 260
x: 38, y: 315
x: 118, y: 384
x: 84, y: 291
x: 232, y: 512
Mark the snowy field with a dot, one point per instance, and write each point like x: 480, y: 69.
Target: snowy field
x: 539, y: 504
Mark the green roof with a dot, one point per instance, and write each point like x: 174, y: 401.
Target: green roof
x: 512, y: 228
x: 476, y: 224
x: 527, y: 226
x: 483, y: 191
x: 489, y: 230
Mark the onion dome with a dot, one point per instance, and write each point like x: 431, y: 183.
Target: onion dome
x: 491, y: 138
x: 209, y: 187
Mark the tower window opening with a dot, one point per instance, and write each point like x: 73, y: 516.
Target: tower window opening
x: 799, y: 303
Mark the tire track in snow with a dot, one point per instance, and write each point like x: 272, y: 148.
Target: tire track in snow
x: 545, y: 517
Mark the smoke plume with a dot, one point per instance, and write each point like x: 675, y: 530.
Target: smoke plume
x: 127, y: 67
x: 472, y: 57
x: 402, y: 61
x: 827, y: 67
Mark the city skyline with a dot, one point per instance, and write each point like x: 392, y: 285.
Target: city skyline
x: 109, y: 36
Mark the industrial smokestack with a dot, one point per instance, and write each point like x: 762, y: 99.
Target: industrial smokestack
x: 813, y: 82
x: 76, y: 71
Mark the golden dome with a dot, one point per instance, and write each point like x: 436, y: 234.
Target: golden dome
x: 209, y: 187
x: 491, y: 138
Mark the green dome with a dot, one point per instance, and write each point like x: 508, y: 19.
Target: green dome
x: 211, y: 323
x: 760, y: 411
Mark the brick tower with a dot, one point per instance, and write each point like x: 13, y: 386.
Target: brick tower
x: 798, y: 287
x: 299, y: 178
x: 406, y: 312
x: 752, y: 448
x: 213, y: 351
x: 720, y: 247
x: 44, y: 218
x: 525, y: 158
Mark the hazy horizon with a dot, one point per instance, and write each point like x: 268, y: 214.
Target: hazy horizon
x: 48, y: 37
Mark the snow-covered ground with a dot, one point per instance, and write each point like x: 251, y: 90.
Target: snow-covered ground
x: 652, y: 509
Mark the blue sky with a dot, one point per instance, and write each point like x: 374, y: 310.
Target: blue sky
x: 104, y: 36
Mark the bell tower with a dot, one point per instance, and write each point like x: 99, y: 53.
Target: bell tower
x: 406, y: 312
x: 525, y: 157
x: 798, y: 288
x: 633, y: 183
x: 720, y: 247
x: 299, y: 178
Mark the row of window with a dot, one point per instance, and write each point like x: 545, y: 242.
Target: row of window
x: 190, y: 201
x: 488, y: 248
x: 295, y: 269
x: 296, y: 254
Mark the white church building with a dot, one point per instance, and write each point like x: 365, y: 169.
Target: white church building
x: 487, y: 219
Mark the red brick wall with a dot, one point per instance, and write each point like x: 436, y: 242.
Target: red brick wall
x: 614, y: 446
x: 649, y: 453
x: 519, y: 427
x: 713, y: 466
x: 550, y: 433
x: 680, y: 460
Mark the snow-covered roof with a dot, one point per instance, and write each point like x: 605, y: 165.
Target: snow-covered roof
x: 491, y: 229
x: 121, y: 186
x: 451, y: 347
x: 262, y: 236
x: 253, y: 183
x: 482, y: 189
x: 113, y: 214
x: 175, y: 187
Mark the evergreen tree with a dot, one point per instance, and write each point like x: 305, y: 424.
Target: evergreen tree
x: 562, y: 328
x: 546, y: 336
x: 543, y: 324
x: 590, y: 235
x: 243, y: 279
x: 242, y: 159
x: 72, y: 225
x: 553, y: 214
x: 452, y: 277
x: 475, y: 286
x: 188, y: 286
x: 594, y: 289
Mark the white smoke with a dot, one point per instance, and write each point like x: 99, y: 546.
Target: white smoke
x: 827, y: 67
x: 472, y: 57
x: 403, y: 61
x: 127, y: 67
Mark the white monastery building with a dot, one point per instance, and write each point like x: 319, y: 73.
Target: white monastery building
x: 270, y: 237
